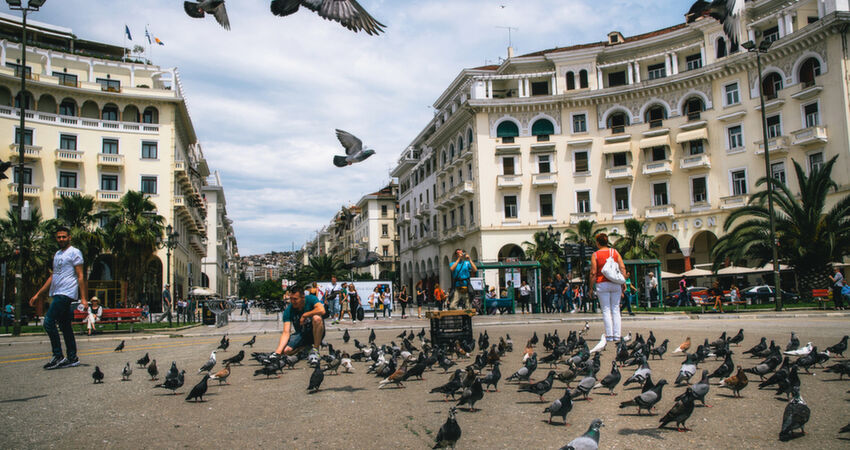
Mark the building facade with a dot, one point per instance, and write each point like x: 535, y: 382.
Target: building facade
x: 220, y: 268
x: 100, y: 126
x: 663, y: 127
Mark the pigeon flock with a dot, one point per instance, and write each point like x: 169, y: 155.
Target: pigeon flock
x: 473, y: 371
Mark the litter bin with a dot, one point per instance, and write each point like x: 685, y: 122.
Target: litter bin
x: 207, y: 316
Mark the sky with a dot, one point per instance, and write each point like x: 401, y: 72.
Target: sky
x: 266, y: 96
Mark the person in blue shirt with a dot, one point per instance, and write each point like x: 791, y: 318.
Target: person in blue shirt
x: 462, y: 269
x: 302, y: 323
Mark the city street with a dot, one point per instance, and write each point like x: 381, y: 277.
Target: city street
x: 64, y: 409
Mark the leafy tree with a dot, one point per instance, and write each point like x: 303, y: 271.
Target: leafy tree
x: 636, y: 244
x: 585, y: 233
x: 321, y: 268
x: 545, y: 249
x: 38, y: 249
x: 77, y: 213
x: 808, y: 235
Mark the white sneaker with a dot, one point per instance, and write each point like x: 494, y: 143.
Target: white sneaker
x: 573, y: 312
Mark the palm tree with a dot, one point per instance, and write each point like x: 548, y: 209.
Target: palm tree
x: 77, y: 213
x: 636, y: 244
x: 38, y: 249
x: 546, y: 249
x: 585, y: 233
x: 322, y: 267
x: 808, y: 237
x: 133, y: 233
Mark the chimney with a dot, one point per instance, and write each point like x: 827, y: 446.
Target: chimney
x: 510, y: 52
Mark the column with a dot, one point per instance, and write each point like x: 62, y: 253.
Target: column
x: 489, y: 88
x: 132, y: 77
x: 48, y: 67
x: 686, y: 252
x: 820, y: 9
x: 668, y: 69
x: 519, y: 88
x: 789, y: 24
x: 637, y: 71
x: 554, y: 85
x: 629, y: 79
x: 781, y: 24
x: 674, y: 58
x: 702, y: 54
x: 3, y: 54
x: 527, y: 91
x: 599, y: 83
x: 91, y: 72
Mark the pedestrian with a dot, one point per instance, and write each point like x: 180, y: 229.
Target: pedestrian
x: 375, y: 302
x: 717, y: 295
x: 166, y: 304
x: 683, y: 292
x: 608, y: 292
x: 653, y: 289
x: 146, y: 311
x: 837, y: 279
x: 403, y: 298
x: 562, y: 296
x: 629, y: 292
x: 439, y: 296
x: 344, y: 302
x: 332, y: 299
x: 245, y: 308
x: 66, y: 280
x: 387, y: 300
x: 353, y: 303
x: 525, y: 297
x: 462, y: 269
x: 95, y: 311
x: 420, y: 298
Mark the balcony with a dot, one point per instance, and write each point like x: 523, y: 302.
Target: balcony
x: 461, y: 191
x: 544, y: 179
x: 777, y: 145
x: 578, y: 217
x: 619, y: 173
x: 404, y: 218
x: 109, y: 196
x: 30, y: 191
x: 653, y: 212
x: 60, y: 192
x: 695, y: 162
x: 196, y: 243
x: 180, y: 172
x: 110, y: 160
x: 509, y: 181
x: 80, y: 122
x: 810, y: 136
x: 771, y: 104
x: 734, y: 201
x: 31, y: 152
x: 807, y: 91
x: 457, y: 232
x: 69, y: 156
x: 656, y: 168
x: 424, y: 210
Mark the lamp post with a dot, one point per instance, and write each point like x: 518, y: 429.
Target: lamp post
x: 15, y: 5
x: 762, y: 47
x: 170, y: 242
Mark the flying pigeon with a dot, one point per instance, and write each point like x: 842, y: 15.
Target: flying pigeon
x: 354, y: 152
x: 153, y: 371
x: 144, y: 360
x: 681, y: 411
x: 126, y: 372
x: 120, y: 347
x: 560, y: 407
x: 589, y: 440
x: 727, y: 12
x: 348, y: 13
x: 209, y: 364
x: 197, y: 392
x: 222, y: 374
x: 251, y: 342
x: 796, y: 415
x: 648, y: 399
x: 97, y: 375
x: 201, y: 8
x: 449, y: 433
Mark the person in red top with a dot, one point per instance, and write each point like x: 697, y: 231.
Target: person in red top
x: 609, y: 293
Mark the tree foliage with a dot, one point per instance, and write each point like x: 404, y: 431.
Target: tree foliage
x: 546, y: 249
x: 636, y: 244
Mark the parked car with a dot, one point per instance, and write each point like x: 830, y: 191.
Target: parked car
x: 765, y: 294
x: 672, y: 297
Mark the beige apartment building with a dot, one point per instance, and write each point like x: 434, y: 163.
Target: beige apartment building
x: 221, y: 264
x: 663, y: 127
x: 97, y: 125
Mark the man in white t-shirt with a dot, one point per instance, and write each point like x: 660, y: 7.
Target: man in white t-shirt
x: 65, y: 282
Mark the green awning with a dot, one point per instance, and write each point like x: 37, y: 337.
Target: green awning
x: 542, y: 127
x: 507, y: 129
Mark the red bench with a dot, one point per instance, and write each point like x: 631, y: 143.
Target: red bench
x: 822, y: 296
x: 703, y: 300
x: 113, y: 315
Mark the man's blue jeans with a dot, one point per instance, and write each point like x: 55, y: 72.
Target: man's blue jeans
x: 60, y: 314
x: 683, y: 298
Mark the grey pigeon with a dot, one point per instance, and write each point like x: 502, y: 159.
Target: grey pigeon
x: 209, y: 364
x: 794, y: 343
x: 840, y: 347
x: 449, y: 433
x: 316, y: 379
x: 681, y: 411
x: 640, y: 374
x: 560, y: 407
x: 251, y: 342
x: 144, y: 360
x: 648, y: 399
x: 197, y: 392
x: 471, y: 395
x: 541, y: 387
x: 236, y: 359
x: 348, y: 13
x: 796, y: 415
x: 120, y: 347
x: 126, y: 372
x: 687, y: 370
x: 173, y: 381
x: 354, y: 151
x: 201, y: 8
x: 660, y: 350
x: 97, y: 375
x: 701, y: 388
x: 727, y: 12
x: 585, y: 385
x: 153, y: 371
x: 492, y: 378
x: 587, y: 441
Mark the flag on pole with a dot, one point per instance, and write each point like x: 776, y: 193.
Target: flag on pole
x: 147, y: 35
x: 127, y: 32
x: 158, y: 41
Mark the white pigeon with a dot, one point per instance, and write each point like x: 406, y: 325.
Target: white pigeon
x: 209, y: 364
x: 346, y: 365
x: 800, y: 351
x: 599, y: 346
x: 628, y: 337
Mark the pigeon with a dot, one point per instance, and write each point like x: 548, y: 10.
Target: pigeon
x: 786, y: 385
x: 209, y: 364
x: 782, y: 373
x: 97, y: 375
x: 738, y: 338
x: 568, y: 375
x: 727, y: 12
x: 681, y: 411
x: 611, y: 380
x: 509, y: 343
x: 842, y: 368
x: 153, y: 371
x: 534, y: 339
x: 660, y: 350
x: 758, y: 348
x: 316, y: 379
x: 687, y: 370
x: 587, y: 441
x: 235, y: 359
x: 684, y: 347
x: 345, y: 336
x: 648, y: 399
x: 585, y: 385
x: 201, y: 8
x: 736, y: 382
x: 222, y: 375
x: 471, y: 395
x: 144, y: 360
x: 524, y: 372
x: 348, y: 13
x: 396, y: 377
x: 268, y: 370
x: 372, y: 336
x: 640, y: 374
x: 802, y: 351
x: 120, y: 347
x: 600, y: 346
x: 650, y: 341
x: 560, y: 407
x: 720, y: 342
x: 4, y: 166
x: 492, y: 378
x: 796, y: 415
x: 541, y: 387
x: 840, y: 347
x: 451, y: 387
x: 584, y: 329
x: 126, y: 372
x: 844, y: 429
x: 173, y: 381
x: 252, y: 341
x: 354, y: 152
x: 725, y: 369
x: 701, y: 388
x: 224, y: 344
x: 449, y: 433
x: 794, y: 343
x: 761, y: 370
x: 807, y: 361
x: 197, y: 392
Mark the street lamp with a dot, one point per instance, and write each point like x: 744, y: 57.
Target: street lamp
x: 762, y: 47
x: 170, y: 242
x: 16, y: 5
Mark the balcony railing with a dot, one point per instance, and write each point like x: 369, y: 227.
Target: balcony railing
x: 31, y: 152
x: 424, y: 209
x: 544, y: 179
x: 69, y: 156
x: 509, y: 181
x: 578, y: 217
x: 658, y: 168
x: 619, y: 173
x: 80, y: 122
x: 695, y: 162
x: 404, y: 217
x: 110, y: 159
x: 659, y: 211
x: 60, y: 192
x: 810, y: 136
x: 29, y: 190
x: 779, y: 144
x: 734, y: 201
x: 109, y: 196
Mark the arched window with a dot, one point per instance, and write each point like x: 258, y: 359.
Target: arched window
x: 542, y: 128
x: 29, y: 100
x: 451, y: 151
x: 617, y: 122
x: 150, y: 115
x: 469, y: 136
x: 110, y: 112
x: 507, y: 130
x: 808, y: 71
x: 582, y: 79
x: 571, y: 81
x: 68, y: 107
x: 460, y: 144
x: 693, y: 107
x: 655, y: 116
x: 443, y: 158
x: 720, y: 46
x: 771, y: 85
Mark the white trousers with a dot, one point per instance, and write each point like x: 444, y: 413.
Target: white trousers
x: 90, y: 320
x: 609, y: 300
